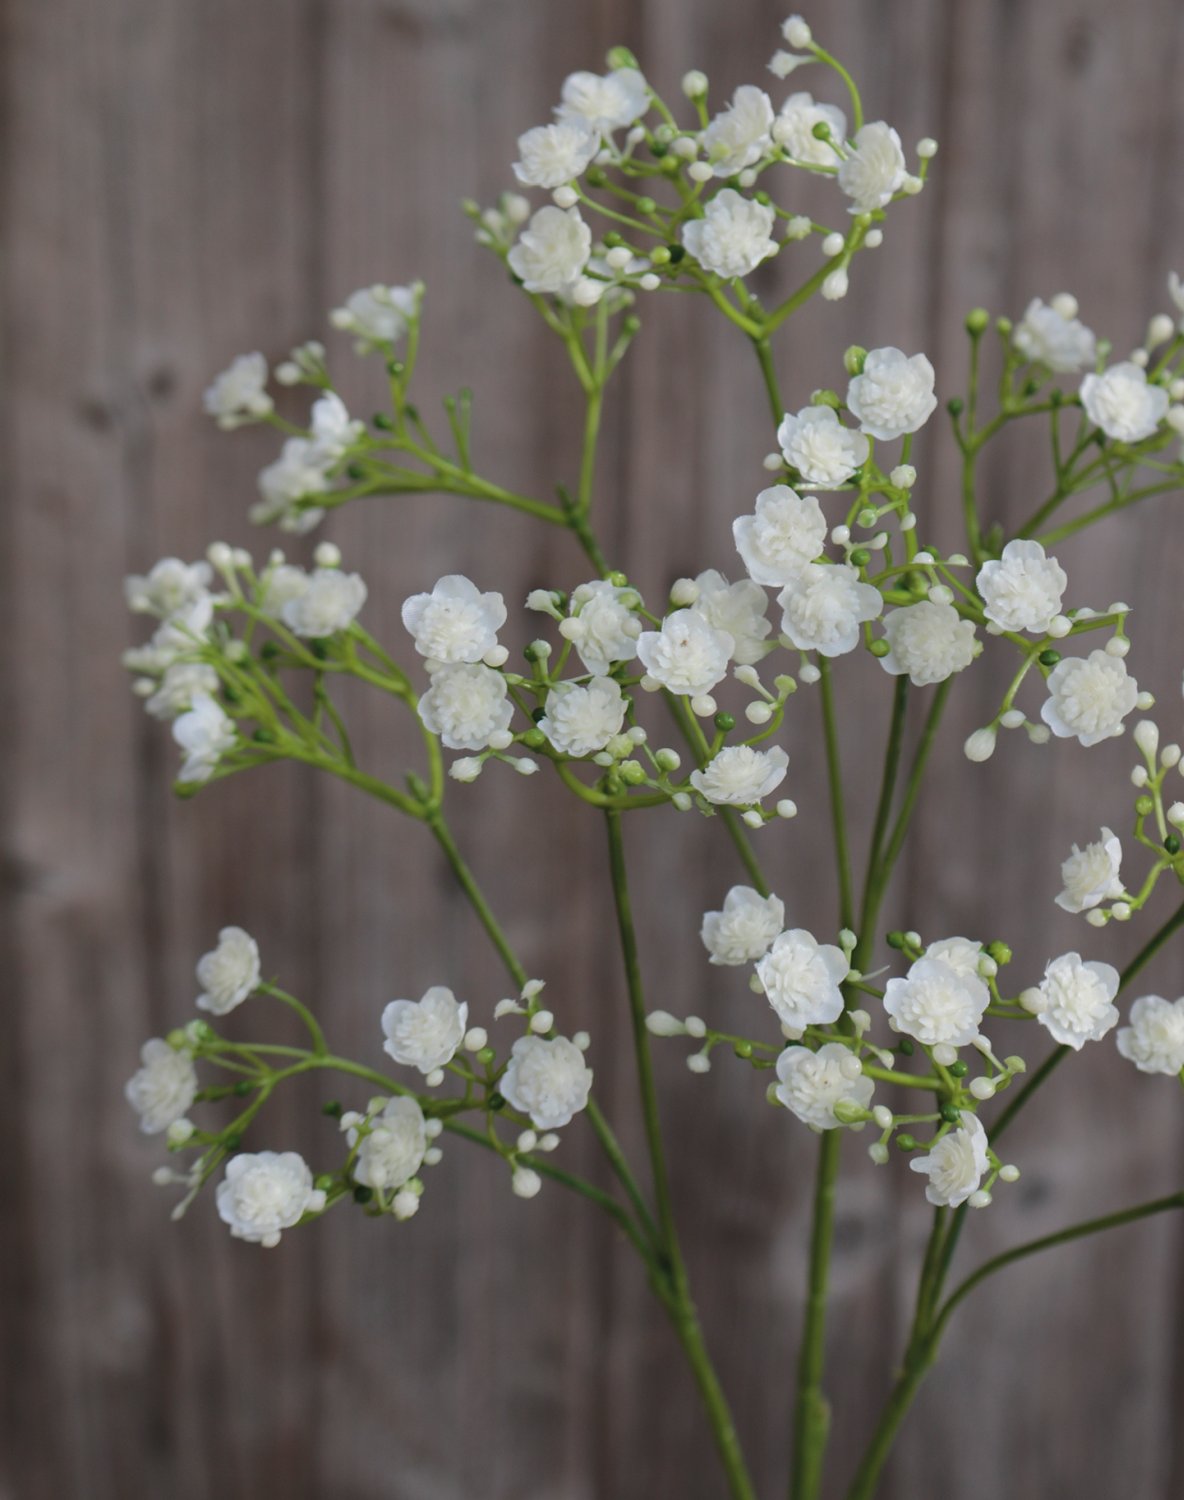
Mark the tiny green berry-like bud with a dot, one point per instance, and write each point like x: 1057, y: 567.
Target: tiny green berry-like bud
x: 1049, y: 657
x: 534, y: 739
x: 355, y: 471
x: 853, y: 359
x: 618, y: 580
x: 907, y: 1142
x: 861, y: 557
x: 743, y: 1049
x: 363, y: 1194
x: 725, y: 722
x: 323, y: 1183
x: 646, y: 206
x: 233, y: 1141
x: 958, y: 1069
x: 382, y: 421
x: 496, y: 1101
x: 1172, y: 844
x: 950, y: 1113
x: 332, y: 1108
x: 620, y: 57
x: 879, y: 647
x: 660, y: 256
x: 1000, y: 952
x: 905, y: 1047
x: 955, y: 406
x: 895, y: 940
x: 977, y: 321
x: 632, y: 772
x: 485, y: 1056
x: 243, y: 1087
x: 1144, y: 806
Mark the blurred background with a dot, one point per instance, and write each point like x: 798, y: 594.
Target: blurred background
x: 187, y: 179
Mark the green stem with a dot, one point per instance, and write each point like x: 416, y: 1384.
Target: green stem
x: 812, y: 1410
x: 873, y: 886
x: 838, y: 815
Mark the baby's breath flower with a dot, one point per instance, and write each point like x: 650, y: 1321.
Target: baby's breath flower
x: 582, y: 719
x: 1075, y: 1000
x: 812, y: 1084
x: 955, y: 1165
x: 550, y: 155
x: 1090, y: 875
x: 733, y: 237
x: 874, y: 171
x: 742, y: 932
x: 937, y: 1003
x: 547, y: 1079
x: 1022, y: 590
x: 740, y: 775
x: 328, y: 603
x: 738, y: 609
x: 1047, y: 336
x: 163, y: 1088
x: 793, y: 130
x: 785, y: 532
x: 1154, y: 1040
x: 1122, y: 402
x: 739, y: 136
x: 604, y: 103
x: 467, y: 705
x: 425, y: 1034
x: 265, y: 1193
x: 229, y: 973
x: 205, y: 733
x: 1089, y: 697
x: 928, y: 642
x: 893, y: 393
x: 239, y: 393
x: 801, y: 979
x: 456, y: 622
x: 820, y: 448
x: 688, y: 656
x: 823, y: 608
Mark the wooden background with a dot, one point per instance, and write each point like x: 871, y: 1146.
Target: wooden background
x: 185, y: 179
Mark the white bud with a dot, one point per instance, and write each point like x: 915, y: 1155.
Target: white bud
x: 873, y: 239
x: 1032, y: 1000
x: 748, y: 675
x: 747, y: 178
x: 878, y: 1153
x: 686, y: 146
x: 501, y: 739
x: 798, y: 228
x: 1039, y: 734
x: 752, y: 818
x: 923, y: 559
x: 882, y: 1115
x: 1170, y: 755
x: 525, y: 1182
x: 1096, y: 918
x: 911, y: 186
x: 695, y: 1026
x: 836, y: 285
x: 179, y: 1132
x: 983, y: 1088
x: 980, y: 1198
x: 1159, y: 330
x: 772, y: 462
x: 833, y: 244
x: 525, y: 766
x: 809, y: 674
x: 649, y: 282
x: 926, y: 148
x: 542, y: 1021
x: 796, y: 32
x: 703, y: 706
x: 220, y: 555
x: 497, y: 656
x: 682, y: 801
x: 1176, y: 815
x: 694, y: 84
x: 582, y: 1040
x: 565, y: 197
x: 758, y: 713
x: 700, y: 171
x: 940, y: 594
x: 327, y: 555
x: 1139, y: 776
x: 699, y: 1063
x: 619, y: 257
x: 1145, y: 701
x: 944, y: 1054
x: 684, y: 592
x: 662, y: 1023
x: 980, y: 745
x: 1140, y: 357
x: 1065, y: 304
x: 1147, y: 737
x: 433, y: 1156
x: 1012, y: 719
x: 405, y: 1204
x: 787, y: 808
x: 527, y: 1141
x: 840, y: 535
x: 1121, y: 911
x: 1009, y: 1173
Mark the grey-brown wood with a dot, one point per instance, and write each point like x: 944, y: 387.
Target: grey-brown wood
x: 184, y: 179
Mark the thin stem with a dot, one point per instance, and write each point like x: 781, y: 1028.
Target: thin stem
x: 812, y: 1410
x: 873, y: 884
x: 835, y: 779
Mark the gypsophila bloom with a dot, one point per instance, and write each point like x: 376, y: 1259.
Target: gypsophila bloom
x: 239, y: 393
x: 604, y: 104
x: 334, y: 431
x: 547, y: 1079
x: 1089, y: 697
x: 893, y: 394
x: 739, y: 775
x: 229, y: 973
x: 1022, y: 590
x: 264, y: 1193
x: 820, y: 448
x: 466, y: 705
x: 299, y: 471
x: 279, y: 585
x: 581, y: 719
x: 425, y: 1033
x: 733, y: 237
x: 377, y: 315
x: 456, y: 622
x: 392, y: 1151
x: 1074, y: 1001
x: 1154, y: 1040
x: 874, y: 170
x: 738, y: 609
x: 786, y: 532
x: 742, y: 932
x: 170, y: 586
x: 1090, y: 875
x: 936, y: 1003
x: 956, y: 1164
x: 961, y: 954
x: 550, y: 155
x: 551, y: 254
x: 329, y: 602
x: 1045, y: 336
x: 181, y: 684
x: 606, y: 628
x: 1122, y: 403
x: 801, y: 979
x: 812, y: 1083
x: 205, y: 733
x: 163, y: 1088
x: 687, y: 655
x: 823, y: 607
x: 793, y: 129
x: 176, y: 639
x: 739, y: 136
x: 928, y: 642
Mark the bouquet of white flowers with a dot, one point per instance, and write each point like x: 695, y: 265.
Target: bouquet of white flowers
x: 684, y: 704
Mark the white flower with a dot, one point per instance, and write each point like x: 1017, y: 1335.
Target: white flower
x: 580, y: 720
x: 547, y: 1079
x: 299, y: 471
x: 824, y: 606
x: 893, y: 394
x: 229, y: 973
x: 740, y: 775
x: 392, y: 1151
x: 733, y: 237
x: 329, y: 602
x: 181, y: 683
x: 239, y: 393
x: 425, y: 1033
x: 928, y: 642
x: 205, y: 733
x: 264, y: 1193
x: 552, y: 252
x: 280, y: 585
x: 1122, y: 403
x: 1045, y: 336
x: 1089, y: 697
x: 961, y: 954
x: 176, y: 639
x: 604, y: 627
x: 937, y: 1003
x: 1154, y: 1041
x: 1091, y: 874
x: 742, y: 932
x: 793, y: 129
x: 820, y: 448
x: 687, y: 655
x: 377, y: 315
x: 170, y: 586
x: 875, y: 169
x: 739, y: 136
x: 604, y: 104
x: 466, y: 705
x: 1022, y: 589
x: 812, y: 1083
x: 786, y: 532
x: 738, y: 609
x: 801, y: 979
x: 333, y: 430
x: 163, y: 1088
x: 456, y: 622
x: 1074, y: 1002
x: 550, y: 155
x: 956, y: 1165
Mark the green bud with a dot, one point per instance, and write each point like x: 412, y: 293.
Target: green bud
x: 955, y: 406
x: 958, y: 1069
x: 596, y: 176
x: 879, y: 647
x: 243, y: 1087
x: 821, y: 131
x: 895, y: 940
x: 485, y: 1056
x: 620, y: 57
x: 950, y: 1113
x: 232, y: 1141
x: 861, y: 557
x: 724, y: 722
x: 534, y: 739
x: 177, y: 1039
x: 743, y: 1050
x: 1172, y: 844
x: 668, y: 760
x: 660, y: 150
x: 382, y: 421
x: 632, y: 771
x: 538, y: 714
x: 618, y: 580
x: 355, y: 471
x: 612, y: 239
x: 977, y: 322
x: 826, y: 398
x: 905, y: 1047
x: 1144, y: 806
x: 496, y: 1101
x: 332, y: 1108
x: 1000, y: 952
x: 395, y: 368
x: 646, y: 206
x: 631, y: 325
x: 907, y: 1142
x: 323, y: 1183
x: 1003, y: 326
x: 1049, y: 658
x: 363, y: 1194
x: 853, y: 359
x: 762, y: 197
x: 660, y: 256
x: 783, y: 686
x: 677, y: 253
